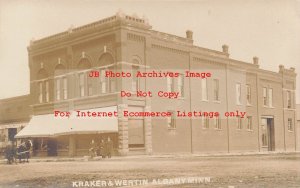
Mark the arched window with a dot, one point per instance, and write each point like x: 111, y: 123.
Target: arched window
x: 43, y: 86
x: 42, y: 74
x: 105, y: 60
x: 84, y: 63
x: 59, y: 70
x: 85, y: 84
x: 60, y: 83
x: 106, y: 63
x: 135, y: 84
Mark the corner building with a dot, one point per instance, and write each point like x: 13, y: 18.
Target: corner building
x: 59, y: 68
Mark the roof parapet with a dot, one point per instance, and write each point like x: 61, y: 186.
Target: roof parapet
x: 291, y: 70
x: 119, y: 17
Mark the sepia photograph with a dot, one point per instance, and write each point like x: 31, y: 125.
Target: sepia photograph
x: 152, y: 94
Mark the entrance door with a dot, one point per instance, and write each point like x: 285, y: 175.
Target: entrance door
x: 52, y: 147
x: 268, y: 133
x: 136, y: 137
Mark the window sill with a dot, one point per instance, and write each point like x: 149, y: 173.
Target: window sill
x: 249, y: 105
x: 250, y: 130
x: 216, y: 129
x: 218, y: 101
x: 290, y: 109
x: 290, y: 131
x: 269, y: 107
x: 204, y: 100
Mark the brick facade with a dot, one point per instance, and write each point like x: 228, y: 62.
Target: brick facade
x: 122, y: 43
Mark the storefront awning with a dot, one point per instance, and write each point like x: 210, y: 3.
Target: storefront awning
x: 50, y: 126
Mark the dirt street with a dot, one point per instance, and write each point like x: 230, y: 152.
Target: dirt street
x: 277, y: 170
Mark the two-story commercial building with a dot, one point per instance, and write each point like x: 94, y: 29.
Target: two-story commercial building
x: 59, y: 81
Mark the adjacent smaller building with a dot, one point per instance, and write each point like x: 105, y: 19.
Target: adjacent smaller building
x: 15, y: 114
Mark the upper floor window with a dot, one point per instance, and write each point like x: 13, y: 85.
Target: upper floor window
x: 289, y: 99
x: 60, y: 83
x: 65, y: 88
x: 82, y: 84
x: 170, y: 84
x: 43, y: 86
x: 248, y: 94
x: 290, y: 124
x: 135, y: 79
x: 265, y: 98
x: 205, y: 122
x: 217, y: 123
x: 181, y: 85
x: 57, y: 89
x: 47, y: 90
x: 238, y: 92
x: 103, y: 81
x: 61, y: 88
x: 90, y: 86
x: 112, y: 82
x: 107, y: 84
x: 270, y: 97
x: 171, y: 121
x: 216, y: 90
x: 40, y: 91
x: 239, y: 123
x: 204, y: 91
x: 249, y: 123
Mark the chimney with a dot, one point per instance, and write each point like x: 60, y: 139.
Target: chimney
x: 281, y: 68
x: 255, y: 60
x: 189, y: 34
x: 225, y: 48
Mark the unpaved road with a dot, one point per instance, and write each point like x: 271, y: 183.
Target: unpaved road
x: 279, y: 170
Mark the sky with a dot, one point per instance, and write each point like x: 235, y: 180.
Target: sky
x: 268, y: 29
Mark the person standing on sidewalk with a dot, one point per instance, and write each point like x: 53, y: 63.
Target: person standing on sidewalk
x: 110, y: 147
x: 92, y: 149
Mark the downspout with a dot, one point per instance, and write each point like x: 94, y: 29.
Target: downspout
x: 282, y: 69
x: 258, y: 116
x: 190, y: 90
x: 228, y: 148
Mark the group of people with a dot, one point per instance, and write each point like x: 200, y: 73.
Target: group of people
x: 22, y: 151
x: 103, y: 148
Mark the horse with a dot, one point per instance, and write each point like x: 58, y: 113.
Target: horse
x: 10, y: 153
x: 23, y: 151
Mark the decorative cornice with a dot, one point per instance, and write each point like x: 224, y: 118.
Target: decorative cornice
x: 112, y: 21
x: 170, y: 49
x: 134, y: 37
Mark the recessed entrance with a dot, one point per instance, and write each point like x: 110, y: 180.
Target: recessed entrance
x: 268, y: 133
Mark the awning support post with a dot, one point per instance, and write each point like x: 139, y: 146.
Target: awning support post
x: 72, y: 146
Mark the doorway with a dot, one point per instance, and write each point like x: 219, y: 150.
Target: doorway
x: 52, y: 147
x: 268, y: 133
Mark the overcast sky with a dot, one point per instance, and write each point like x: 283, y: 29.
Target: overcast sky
x: 267, y: 29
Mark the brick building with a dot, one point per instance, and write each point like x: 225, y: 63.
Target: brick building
x: 15, y: 114
x: 59, y: 69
